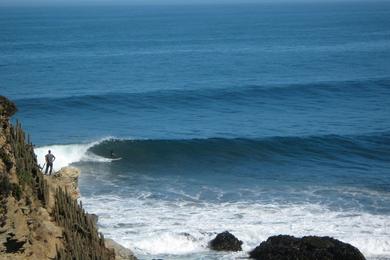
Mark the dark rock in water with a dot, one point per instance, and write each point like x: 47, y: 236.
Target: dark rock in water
x: 311, y: 247
x: 225, y: 242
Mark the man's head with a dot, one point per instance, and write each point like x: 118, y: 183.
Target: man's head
x: 49, y: 151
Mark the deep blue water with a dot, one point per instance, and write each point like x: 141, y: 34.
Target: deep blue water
x: 258, y: 119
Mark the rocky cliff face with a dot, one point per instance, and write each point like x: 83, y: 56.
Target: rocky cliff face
x: 38, y: 219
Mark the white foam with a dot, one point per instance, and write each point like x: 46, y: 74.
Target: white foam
x: 169, y: 243
x: 67, y: 154
x: 152, y: 227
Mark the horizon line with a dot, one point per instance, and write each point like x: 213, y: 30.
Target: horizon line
x: 106, y: 3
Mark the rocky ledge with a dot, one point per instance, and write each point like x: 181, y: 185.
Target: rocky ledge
x: 67, y: 179
x: 121, y: 252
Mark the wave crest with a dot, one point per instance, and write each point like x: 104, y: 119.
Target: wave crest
x: 67, y: 154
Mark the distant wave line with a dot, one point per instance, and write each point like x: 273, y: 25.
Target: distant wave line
x: 383, y: 84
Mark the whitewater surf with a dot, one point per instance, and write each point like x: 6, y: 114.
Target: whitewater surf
x: 164, y: 205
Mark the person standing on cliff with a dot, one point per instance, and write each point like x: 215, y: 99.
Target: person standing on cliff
x: 49, y: 158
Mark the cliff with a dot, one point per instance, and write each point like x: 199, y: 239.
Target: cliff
x: 40, y: 217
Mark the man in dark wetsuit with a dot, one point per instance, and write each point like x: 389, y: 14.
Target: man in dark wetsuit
x: 49, y: 158
x: 112, y: 154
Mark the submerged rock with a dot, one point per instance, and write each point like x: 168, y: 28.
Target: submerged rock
x: 225, y: 242
x: 284, y: 247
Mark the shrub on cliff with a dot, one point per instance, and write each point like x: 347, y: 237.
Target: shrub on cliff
x: 5, y: 189
x: 5, y: 157
x: 7, y: 108
x: 5, y: 186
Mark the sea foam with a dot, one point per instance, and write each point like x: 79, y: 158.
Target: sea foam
x: 180, y: 229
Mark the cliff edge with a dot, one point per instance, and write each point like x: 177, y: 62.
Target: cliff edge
x: 40, y: 217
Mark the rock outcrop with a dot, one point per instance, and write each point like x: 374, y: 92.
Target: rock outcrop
x: 38, y: 219
x: 121, y: 253
x: 67, y: 179
x: 285, y: 247
x: 225, y: 241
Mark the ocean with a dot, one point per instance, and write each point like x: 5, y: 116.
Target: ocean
x: 260, y: 119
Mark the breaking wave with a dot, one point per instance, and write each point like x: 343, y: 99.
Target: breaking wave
x: 332, y: 147
x: 67, y: 154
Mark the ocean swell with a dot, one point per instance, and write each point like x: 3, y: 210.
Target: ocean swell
x: 372, y: 147
x: 233, y: 95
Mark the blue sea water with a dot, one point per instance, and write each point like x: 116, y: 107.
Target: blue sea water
x: 258, y: 119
